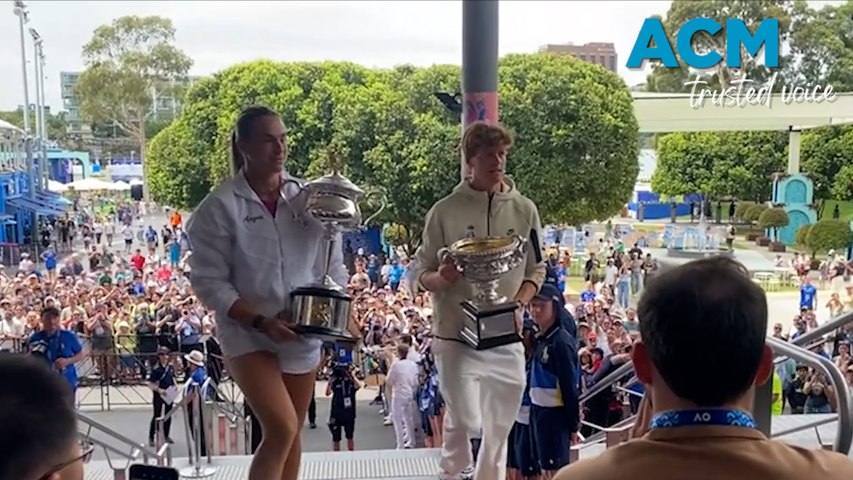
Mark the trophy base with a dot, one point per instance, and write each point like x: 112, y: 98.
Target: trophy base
x: 489, y: 327
x: 322, y: 312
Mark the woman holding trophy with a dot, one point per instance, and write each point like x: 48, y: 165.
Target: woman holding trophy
x: 487, y: 219
x: 252, y: 246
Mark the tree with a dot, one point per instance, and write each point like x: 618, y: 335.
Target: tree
x: 573, y: 122
x: 774, y: 219
x: 828, y: 235
x: 720, y: 164
x: 125, y: 60
x: 822, y: 45
x: 824, y: 152
x: 752, y: 12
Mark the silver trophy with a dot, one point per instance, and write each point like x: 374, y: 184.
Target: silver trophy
x: 322, y: 308
x: 490, y: 318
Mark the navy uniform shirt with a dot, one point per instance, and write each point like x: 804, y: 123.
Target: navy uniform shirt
x: 553, y: 373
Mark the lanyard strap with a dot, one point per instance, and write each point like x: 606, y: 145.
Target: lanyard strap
x: 717, y: 417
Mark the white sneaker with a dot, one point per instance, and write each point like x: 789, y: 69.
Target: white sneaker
x: 467, y: 474
x: 387, y: 421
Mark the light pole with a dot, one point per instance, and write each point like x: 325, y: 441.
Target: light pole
x: 39, y: 146
x: 21, y: 11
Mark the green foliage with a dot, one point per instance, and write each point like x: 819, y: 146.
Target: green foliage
x: 802, y: 235
x: 664, y: 79
x: 572, y: 120
x: 842, y: 185
x: 719, y: 164
x: 124, y: 61
x: 825, y: 152
x: 754, y: 212
x: 741, y: 209
x: 184, y: 178
x: 822, y: 44
x: 829, y: 235
x: 774, y: 219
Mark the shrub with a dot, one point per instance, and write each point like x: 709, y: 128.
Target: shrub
x: 829, y: 234
x: 802, y: 235
x: 774, y: 219
x: 741, y: 209
x: 754, y: 212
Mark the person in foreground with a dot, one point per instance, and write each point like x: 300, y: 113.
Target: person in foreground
x: 701, y: 391
x: 39, y: 438
x: 482, y: 388
x: 252, y: 245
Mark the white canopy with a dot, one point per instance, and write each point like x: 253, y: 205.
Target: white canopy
x: 4, y: 125
x: 672, y: 112
x: 136, y: 181
x: 55, y: 186
x: 121, y: 186
x: 90, y: 184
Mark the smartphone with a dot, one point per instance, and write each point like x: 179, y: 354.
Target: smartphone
x: 152, y: 472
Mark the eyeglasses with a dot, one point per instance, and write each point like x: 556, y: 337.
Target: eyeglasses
x: 86, y: 450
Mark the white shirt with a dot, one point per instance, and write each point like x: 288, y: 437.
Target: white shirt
x: 10, y: 327
x: 403, y: 378
x: 241, y: 251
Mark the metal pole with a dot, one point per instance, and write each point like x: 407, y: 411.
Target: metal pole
x: 44, y: 113
x: 21, y: 11
x: 479, y: 63
x: 38, y: 110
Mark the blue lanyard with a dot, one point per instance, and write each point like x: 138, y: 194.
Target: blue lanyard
x: 716, y: 417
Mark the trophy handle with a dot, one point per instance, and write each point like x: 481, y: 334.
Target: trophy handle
x: 298, y: 185
x: 383, y: 202
x: 444, y: 255
x: 520, y: 253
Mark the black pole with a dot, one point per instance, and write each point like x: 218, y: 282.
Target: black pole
x: 479, y: 62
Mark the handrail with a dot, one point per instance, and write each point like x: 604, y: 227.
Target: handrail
x: 141, y: 448
x: 844, y: 433
x: 804, y: 339
x: 607, y: 381
x: 822, y: 330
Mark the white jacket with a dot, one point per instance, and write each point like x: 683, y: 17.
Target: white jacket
x: 240, y: 250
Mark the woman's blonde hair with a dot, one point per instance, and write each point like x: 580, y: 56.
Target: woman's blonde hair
x: 481, y: 135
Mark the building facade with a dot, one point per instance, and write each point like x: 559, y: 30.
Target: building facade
x: 165, y: 105
x: 600, y: 53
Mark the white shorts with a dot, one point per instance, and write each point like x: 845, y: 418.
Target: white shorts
x: 296, y: 357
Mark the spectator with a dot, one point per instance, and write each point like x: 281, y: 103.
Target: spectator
x: 40, y: 425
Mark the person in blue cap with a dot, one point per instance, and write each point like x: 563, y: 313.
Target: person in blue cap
x: 568, y: 322
x: 554, y: 412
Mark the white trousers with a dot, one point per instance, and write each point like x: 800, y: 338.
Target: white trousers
x: 402, y: 413
x: 482, y: 390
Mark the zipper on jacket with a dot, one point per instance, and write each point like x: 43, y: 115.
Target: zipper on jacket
x: 489, y: 215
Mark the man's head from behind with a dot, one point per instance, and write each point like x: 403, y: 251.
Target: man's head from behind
x: 40, y: 439
x: 703, y: 326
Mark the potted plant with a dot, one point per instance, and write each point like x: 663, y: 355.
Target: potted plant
x: 751, y: 216
x: 773, y: 219
x: 828, y: 234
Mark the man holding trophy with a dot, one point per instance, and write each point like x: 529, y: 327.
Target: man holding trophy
x: 482, y: 261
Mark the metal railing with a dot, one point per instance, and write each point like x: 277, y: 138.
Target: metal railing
x: 798, y: 349
x: 844, y: 434
x: 134, y: 452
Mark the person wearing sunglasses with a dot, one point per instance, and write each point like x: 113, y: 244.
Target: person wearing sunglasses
x: 38, y: 438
